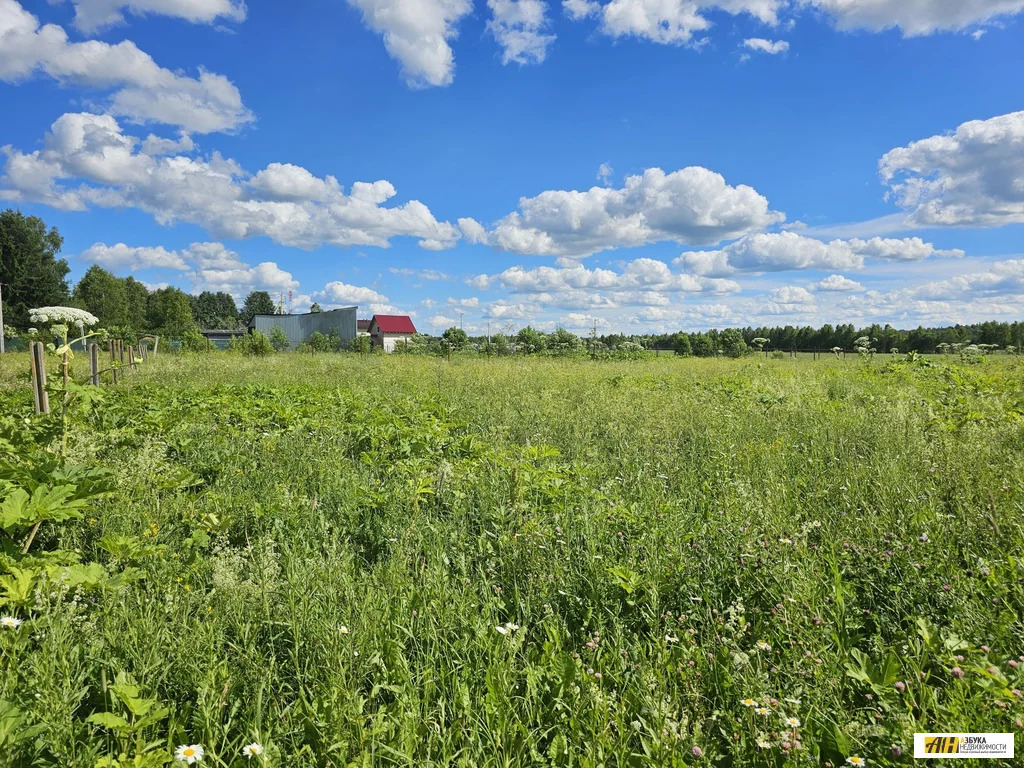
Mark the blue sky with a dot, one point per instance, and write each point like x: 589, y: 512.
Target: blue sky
x: 645, y: 165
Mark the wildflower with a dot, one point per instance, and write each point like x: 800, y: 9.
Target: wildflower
x: 748, y: 703
x: 697, y: 752
x: 763, y: 743
x: 763, y: 711
x: 67, y: 315
x: 901, y: 686
x: 763, y: 646
x: 985, y: 648
x: 9, y: 622
x: 507, y: 628
x: 1013, y: 664
x: 190, y: 753
x: 249, y: 751
x: 342, y: 630
x: 856, y: 761
x: 674, y: 639
x: 957, y: 672
x: 792, y: 722
x: 785, y: 540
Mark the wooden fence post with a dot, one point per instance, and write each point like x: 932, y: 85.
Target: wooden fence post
x: 156, y: 344
x: 113, y: 360
x: 38, y: 356
x: 94, y: 364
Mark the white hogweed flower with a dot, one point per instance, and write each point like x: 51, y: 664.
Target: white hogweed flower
x: 68, y: 315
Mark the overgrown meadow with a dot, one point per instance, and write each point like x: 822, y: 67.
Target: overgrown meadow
x: 359, y: 560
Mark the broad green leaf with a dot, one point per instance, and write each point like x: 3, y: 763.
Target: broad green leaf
x: 109, y: 720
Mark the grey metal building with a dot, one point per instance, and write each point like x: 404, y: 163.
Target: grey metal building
x: 298, y: 328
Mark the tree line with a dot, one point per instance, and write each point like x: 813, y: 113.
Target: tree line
x: 33, y: 275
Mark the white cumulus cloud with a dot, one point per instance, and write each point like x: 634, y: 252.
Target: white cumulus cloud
x: 692, y: 205
x: 761, y: 45
x: 836, y: 283
x: 520, y: 28
x: 87, y: 160
x: 972, y: 177
x: 91, y: 15
x: 418, y: 34
x: 340, y: 293
x: 133, y: 258
x: 791, y: 294
x: 666, y: 21
x: 777, y: 252
x: 915, y: 17
x: 140, y: 89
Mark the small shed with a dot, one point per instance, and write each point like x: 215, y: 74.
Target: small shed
x: 298, y: 328
x: 388, y: 330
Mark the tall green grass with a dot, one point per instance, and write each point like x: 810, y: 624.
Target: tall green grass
x: 398, y: 561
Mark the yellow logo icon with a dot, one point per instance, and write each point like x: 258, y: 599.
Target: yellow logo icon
x: 942, y: 745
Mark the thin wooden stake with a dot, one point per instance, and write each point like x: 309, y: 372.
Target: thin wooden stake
x: 113, y: 360
x: 42, y: 398
x: 94, y: 364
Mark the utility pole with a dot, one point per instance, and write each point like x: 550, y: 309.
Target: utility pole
x: 461, y: 313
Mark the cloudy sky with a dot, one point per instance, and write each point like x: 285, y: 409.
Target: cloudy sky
x: 645, y: 165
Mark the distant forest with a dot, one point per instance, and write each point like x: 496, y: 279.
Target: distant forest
x: 884, y: 337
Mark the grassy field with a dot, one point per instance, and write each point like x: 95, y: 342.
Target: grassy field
x: 403, y: 561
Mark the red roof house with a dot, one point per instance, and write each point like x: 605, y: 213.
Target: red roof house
x: 388, y: 330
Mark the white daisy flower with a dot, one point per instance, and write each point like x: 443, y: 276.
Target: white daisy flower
x: 763, y: 743
x: 189, y: 753
x: 343, y: 630
x: 9, y: 622
x: 249, y: 751
x: 792, y: 722
x: 763, y: 646
x: 748, y: 703
x: 856, y: 761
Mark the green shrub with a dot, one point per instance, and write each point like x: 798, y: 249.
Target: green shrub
x: 320, y: 342
x: 193, y: 341
x: 279, y: 339
x: 255, y: 344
